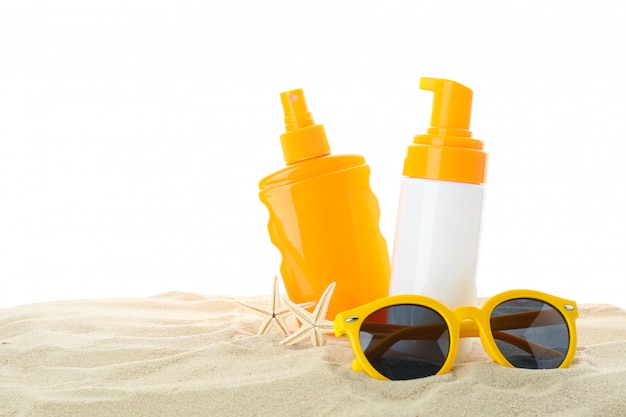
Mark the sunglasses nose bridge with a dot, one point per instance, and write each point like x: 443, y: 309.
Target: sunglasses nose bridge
x: 469, y: 319
x: 467, y: 312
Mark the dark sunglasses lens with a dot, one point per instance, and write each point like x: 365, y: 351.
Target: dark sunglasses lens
x: 530, y: 333
x: 405, y: 341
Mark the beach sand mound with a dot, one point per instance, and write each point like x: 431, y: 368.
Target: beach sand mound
x: 180, y: 354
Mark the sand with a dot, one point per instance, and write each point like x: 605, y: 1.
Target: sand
x: 180, y: 354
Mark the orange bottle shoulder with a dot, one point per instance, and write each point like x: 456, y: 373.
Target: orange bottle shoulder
x: 309, y: 168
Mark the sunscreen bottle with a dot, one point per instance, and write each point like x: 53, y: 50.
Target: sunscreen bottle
x: 440, y: 208
x: 324, y: 217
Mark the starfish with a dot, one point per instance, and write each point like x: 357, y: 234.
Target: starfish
x: 274, y: 314
x: 313, y: 324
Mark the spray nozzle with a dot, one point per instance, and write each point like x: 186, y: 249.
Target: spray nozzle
x: 452, y: 107
x: 297, y: 114
x: 303, y: 139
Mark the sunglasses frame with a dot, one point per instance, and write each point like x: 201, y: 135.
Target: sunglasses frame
x: 465, y: 321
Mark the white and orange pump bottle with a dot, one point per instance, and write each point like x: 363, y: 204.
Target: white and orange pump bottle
x: 324, y: 217
x: 440, y: 207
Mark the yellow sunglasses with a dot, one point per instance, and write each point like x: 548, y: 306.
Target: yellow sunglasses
x: 411, y: 336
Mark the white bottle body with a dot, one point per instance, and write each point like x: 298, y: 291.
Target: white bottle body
x: 436, y: 242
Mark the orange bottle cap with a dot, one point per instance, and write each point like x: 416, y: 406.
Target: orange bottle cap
x: 447, y: 152
x: 303, y: 138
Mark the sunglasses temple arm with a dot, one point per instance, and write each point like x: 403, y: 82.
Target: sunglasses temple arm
x: 525, y: 320
x: 535, y: 349
x: 395, y: 333
x: 540, y: 318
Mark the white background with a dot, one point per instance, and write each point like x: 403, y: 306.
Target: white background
x: 133, y: 135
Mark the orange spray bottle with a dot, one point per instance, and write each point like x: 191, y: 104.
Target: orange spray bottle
x: 324, y: 217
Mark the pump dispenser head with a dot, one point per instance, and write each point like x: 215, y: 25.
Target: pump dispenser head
x: 452, y: 107
x: 303, y: 139
x: 447, y: 152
